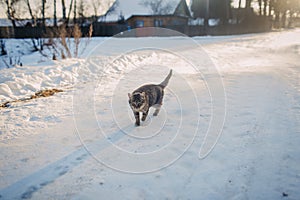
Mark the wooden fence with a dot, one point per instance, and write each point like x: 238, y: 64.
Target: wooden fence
x: 111, y: 30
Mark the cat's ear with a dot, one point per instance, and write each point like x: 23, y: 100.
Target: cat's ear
x: 129, y: 95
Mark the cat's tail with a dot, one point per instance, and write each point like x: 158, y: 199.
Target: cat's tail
x: 166, y: 81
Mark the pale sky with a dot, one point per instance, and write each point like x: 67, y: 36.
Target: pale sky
x: 88, y: 7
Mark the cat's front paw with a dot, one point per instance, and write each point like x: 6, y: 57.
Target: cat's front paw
x: 137, y: 123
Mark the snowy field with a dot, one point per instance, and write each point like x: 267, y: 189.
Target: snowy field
x: 229, y: 127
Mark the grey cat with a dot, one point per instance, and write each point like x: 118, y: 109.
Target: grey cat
x: 146, y: 96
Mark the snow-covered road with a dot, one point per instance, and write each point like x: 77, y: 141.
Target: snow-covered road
x: 82, y: 144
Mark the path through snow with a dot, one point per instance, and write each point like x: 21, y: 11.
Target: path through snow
x: 256, y: 157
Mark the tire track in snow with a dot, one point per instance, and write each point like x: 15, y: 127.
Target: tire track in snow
x: 27, y: 186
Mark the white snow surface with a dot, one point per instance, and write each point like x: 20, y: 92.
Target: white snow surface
x: 229, y: 127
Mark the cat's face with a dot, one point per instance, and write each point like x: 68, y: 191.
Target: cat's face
x: 137, y: 101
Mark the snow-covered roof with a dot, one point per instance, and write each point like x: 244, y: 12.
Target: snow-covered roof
x: 127, y: 8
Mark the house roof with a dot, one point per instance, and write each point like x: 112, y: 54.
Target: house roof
x: 127, y: 8
x: 182, y: 9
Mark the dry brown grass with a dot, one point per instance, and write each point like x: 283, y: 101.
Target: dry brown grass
x: 45, y: 93
x: 39, y: 94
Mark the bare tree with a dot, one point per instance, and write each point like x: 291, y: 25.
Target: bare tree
x: 64, y: 16
x: 158, y: 7
x: 248, y: 3
x: 265, y: 7
x: 112, y: 6
x: 75, y: 12
x: 70, y: 10
x: 11, y: 10
x: 260, y: 7
x: 54, y: 13
x: 35, y: 41
x: 43, y: 13
x: 271, y: 5
x: 282, y: 11
x: 81, y: 12
x: 30, y: 12
x: 96, y: 4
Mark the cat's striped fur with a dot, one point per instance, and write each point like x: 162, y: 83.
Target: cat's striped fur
x: 146, y: 96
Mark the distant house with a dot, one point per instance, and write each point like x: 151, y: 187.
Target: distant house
x: 182, y: 9
x: 178, y: 15
x: 136, y: 14
x: 138, y: 21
